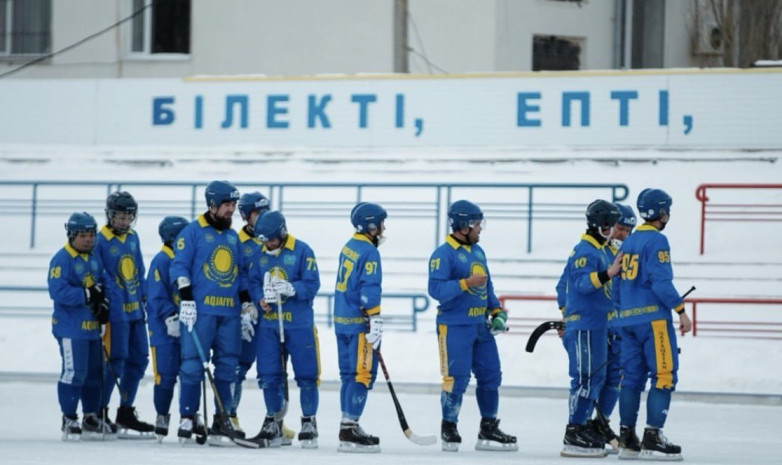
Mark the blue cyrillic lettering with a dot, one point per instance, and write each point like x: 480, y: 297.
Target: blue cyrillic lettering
x: 363, y: 101
x: 624, y: 97
x: 567, y: 101
x: 199, y: 112
x: 317, y: 110
x: 400, y: 110
x: 663, y: 117
x: 273, y: 109
x: 419, y: 126
x: 162, y: 116
x: 230, y: 102
x: 523, y: 108
x: 688, y: 123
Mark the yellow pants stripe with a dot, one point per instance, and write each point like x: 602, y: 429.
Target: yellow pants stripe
x: 107, y: 340
x: 364, y: 359
x: 153, y: 356
x: 663, y: 355
x: 317, y: 352
x: 442, y: 335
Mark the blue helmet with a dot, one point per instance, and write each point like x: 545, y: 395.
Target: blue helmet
x: 627, y: 217
x: 367, y: 216
x: 654, y: 203
x: 271, y: 225
x: 170, y: 227
x: 602, y: 214
x: 80, y: 222
x: 462, y: 214
x: 217, y: 192
x: 252, y: 202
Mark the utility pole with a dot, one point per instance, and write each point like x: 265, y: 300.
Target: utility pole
x: 400, y: 37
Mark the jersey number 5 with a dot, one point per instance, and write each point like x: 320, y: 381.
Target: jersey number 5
x: 629, y: 266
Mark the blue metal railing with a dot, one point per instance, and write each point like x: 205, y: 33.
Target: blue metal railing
x: 517, y: 203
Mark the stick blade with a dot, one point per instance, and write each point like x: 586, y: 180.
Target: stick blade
x: 420, y: 440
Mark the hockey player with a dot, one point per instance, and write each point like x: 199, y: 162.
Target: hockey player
x: 588, y: 276
x: 126, y: 334
x: 77, y: 284
x: 468, y: 317
x: 645, y: 296
x: 609, y: 394
x: 163, y: 323
x: 206, y: 272
x: 284, y: 281
x: 357, y: 322
x: 251, y: 206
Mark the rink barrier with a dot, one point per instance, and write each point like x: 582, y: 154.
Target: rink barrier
x: 411, y: 388
x: 727, y: 328
x: 429, y: 201
x: 396, y: 316
x: 743, y: 211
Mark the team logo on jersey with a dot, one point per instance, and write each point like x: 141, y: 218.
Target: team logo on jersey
x: 114, y: 250
x: 209, y: 237
x: 462, y: 257
x: 231, y: 239
x: 289, y: 260
x: 94, y: 266
x: 476, y: 268
x: 127, y: 274
x: 248, y: 251
x: 133, y: 247
x: 264, y: 260
x: 88, y: 280
x: 221, y: 266
x: 78, y: 267
x: 480, y: 255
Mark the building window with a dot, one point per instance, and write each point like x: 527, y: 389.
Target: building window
x: 25, y: 27
x: 553, y: 53
x: 163, y: 27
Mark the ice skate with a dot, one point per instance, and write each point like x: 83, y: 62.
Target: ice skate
x: 270, y: 434
x: 220, y: 433
x: 93, y: 428
x: 239, y: 432
x: 189, y: 426
x: 603, y: 429
x: 161, y: 426
x: 578, y: 442
x: 655, y: 446
x: 353, y: 439
x: 71, y: 429
x: 492, y: 438
x: 308, y: 436
x: 130, y: 427
x: 450, y: 436
x: 629, y: 445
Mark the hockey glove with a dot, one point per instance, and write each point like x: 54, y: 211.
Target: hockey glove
x: 284, y: 288
x: 248, y: 329
x: 172, y: 325
x: 188, y: 314
x: 270, y: 294
x: 497, y: 322
x: 99, y: 305
x: 375, y: 333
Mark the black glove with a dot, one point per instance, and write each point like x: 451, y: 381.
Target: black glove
x: 99, y: 304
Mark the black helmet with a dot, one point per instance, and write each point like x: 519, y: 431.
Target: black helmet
x: 602, y: 214
x: 120, y: 202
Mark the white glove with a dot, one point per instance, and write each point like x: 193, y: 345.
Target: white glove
x: 285, y: 288
x: 249, y: 309
x: 188, y: 314
x: 270, y: 294
x: 248, y: 329
x: 172, y: 325
x: 375, y: 333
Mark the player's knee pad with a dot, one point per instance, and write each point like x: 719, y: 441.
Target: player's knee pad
x: 76, y: 377
x: 307, y: 383
x: 241, y: 372
x: 460, y: 384
x: 492, y: 381
x: 167, y: 381
x: 191, y: 371
x: 636, y: 383
x: 225, y: 368
x: 270, y: 382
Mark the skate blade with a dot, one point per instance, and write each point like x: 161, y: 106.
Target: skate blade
x: 71, y: 437
x: 133, y: 435
x: 353, y: 448
x: 451, y: 447
x: 218, y: 440
x: 659, y: 456
x: 94, y: 436
x: 494, y: 446
x: 582, y: 452
x: 309, y: 443
x: 628, y: 454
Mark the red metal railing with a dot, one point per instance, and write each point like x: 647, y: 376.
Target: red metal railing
x: 726, y: 328
x: 735, y: 211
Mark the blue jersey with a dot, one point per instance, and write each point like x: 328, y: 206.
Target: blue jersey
x: 562, y: 284
x: 249, y: 252
x: 449, y: 266
x: 645, y: 291
x: 588, y: 300
x: 121, y: 257
x: 162, y: 299
x: 611, y: 253
x: 70, y: 272
x: 295, y: 264
x: 359, y: 285
x: 209, y: 258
